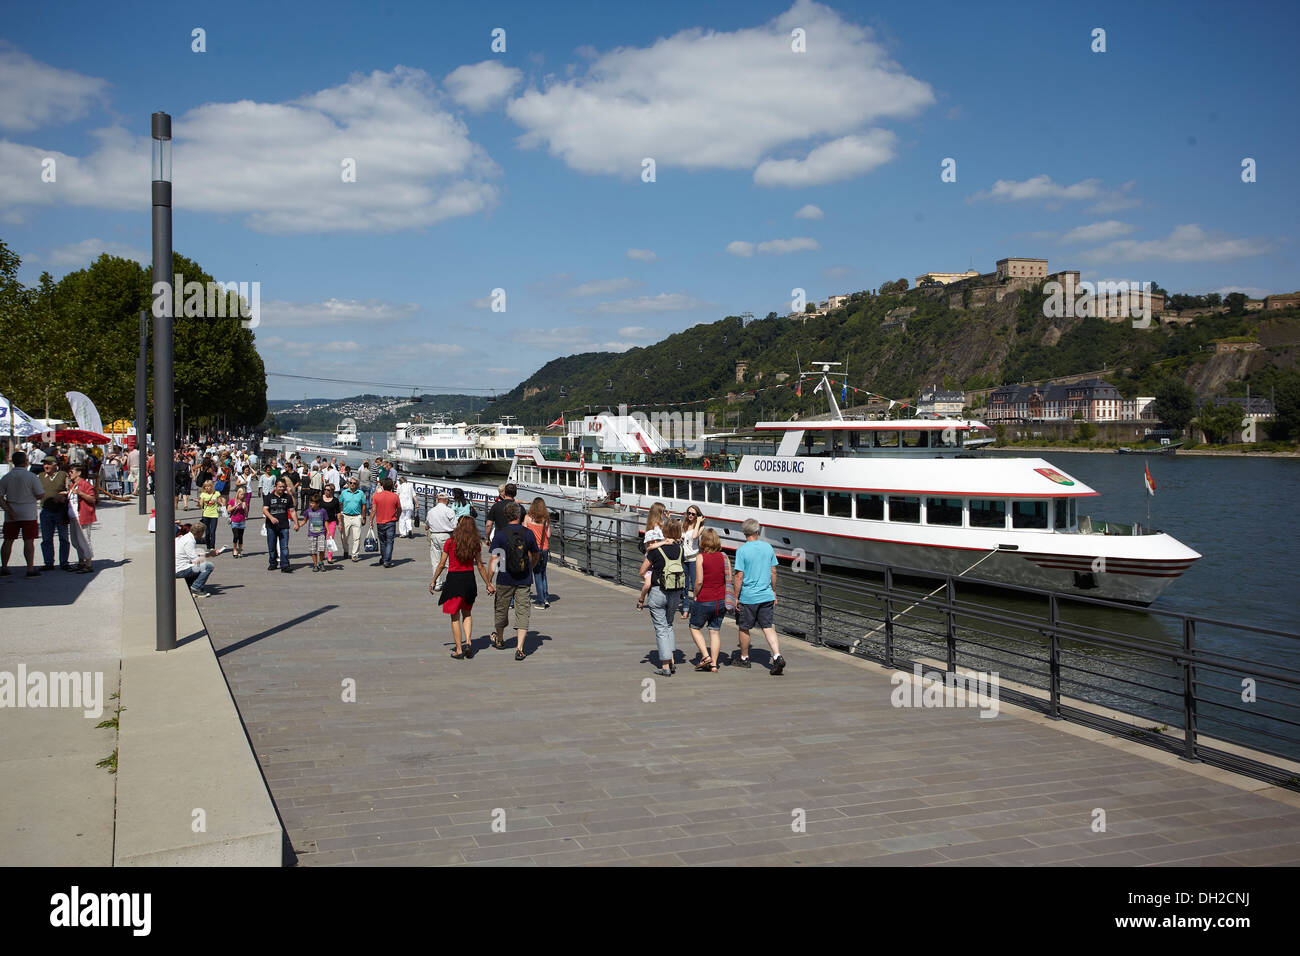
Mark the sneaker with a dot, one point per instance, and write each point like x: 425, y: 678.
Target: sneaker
x: 273, y: 567
x: 286, y: 570
x: 315, y: 567
x: 738, y: 661
x: 198, y: 594
x: 778, y: 665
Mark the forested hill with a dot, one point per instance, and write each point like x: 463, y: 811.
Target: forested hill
x: 1010, y: 341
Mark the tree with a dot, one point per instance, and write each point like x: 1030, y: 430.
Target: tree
x: 1236, y: 302
x: 810, y: 307
x: 1085, y: 431
x: 771, y: 315
x: 1214, y: 300
x: 1156, y: 290
x: 1175, y: 402
x: 1219, y: 422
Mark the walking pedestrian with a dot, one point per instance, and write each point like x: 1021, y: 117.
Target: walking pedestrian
x: 365, y: 481
x: 133, y: 468
x: 333, y: 508
x: 210, y: 502
x: 237, y: 510
x: 462, y: 555
x: 440, y: 523
x: 54, y: 513
x: 709, y: 607
x: 279, y: 513
x: 460, y: 504
x: 692, y: 525
x: 20, y: 496
x: 83, y: 499
x: 194, y: 569
x: 314, y: 518
x: 664, y: 579
x: 356, y: 513
x: 496, y: 516
x: 406, y: 498
x: 755, y: 588
x: 538, y: 521
x: 514, y: 554
x: 386, y: 506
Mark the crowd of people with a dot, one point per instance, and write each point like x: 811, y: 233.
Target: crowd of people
x: 349, y: 513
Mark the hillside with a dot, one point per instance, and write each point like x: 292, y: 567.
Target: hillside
x: 974, y: 348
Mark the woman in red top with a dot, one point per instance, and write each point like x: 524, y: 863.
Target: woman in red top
x: 84, y: 500
x: 461, y: 554
x: 712, y: 582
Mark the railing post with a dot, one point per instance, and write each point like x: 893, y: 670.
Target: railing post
x: 617, y: 535
x: 817, y: 599
x: 588, y: 524
x: 951, y: 628
x: 1189, y: 691
x: 1054, y: 657
x: 563, y: 555
x: 889, y: 616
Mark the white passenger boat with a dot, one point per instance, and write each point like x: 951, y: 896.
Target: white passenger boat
x: 438, y: 448
x: 498, y: 442
x: 906, y: 493
x: 345, y: 435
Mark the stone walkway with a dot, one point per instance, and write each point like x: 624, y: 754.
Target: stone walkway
x: 564, y: 750
x: 58, y: 806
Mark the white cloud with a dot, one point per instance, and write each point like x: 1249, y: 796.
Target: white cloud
x: 1251, y: 291
x: 1186, y: 243
x: 360, y: 313
x: 839, y: 159
x: 1098, y: 231
x: 639, y: 332
x: 774, y: 247
x: 663, y: 302
x: 481, y: 86
x: 83, y: 253
x: 641, y: 255
x: 1052, y: 194
x: 809, y: 212
x: 35, y: 94
x: 572, y: 338
x: 703, y: 99
x: 837, y: 272
x: 280, y: 164
x: 604, y: 287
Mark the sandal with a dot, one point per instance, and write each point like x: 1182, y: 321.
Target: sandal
x: 519, y: 655
x: 498, y: 642
x: 457, y: 655
x: 706, y: 663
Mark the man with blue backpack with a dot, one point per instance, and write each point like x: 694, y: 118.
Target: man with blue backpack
x: 514, y: 555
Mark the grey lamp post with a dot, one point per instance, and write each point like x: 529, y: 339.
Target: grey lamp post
x: 141, y: 412
x: 164, y: 422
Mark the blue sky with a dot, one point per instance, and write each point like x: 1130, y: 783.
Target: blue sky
x: 522, y: 171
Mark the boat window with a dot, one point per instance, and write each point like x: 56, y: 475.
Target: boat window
x: 839, y: 504
x: 946, y: 511
x: 886, y: 439
x: 988, y: 513
x: 749, y: 493
x: 905, y: 508
x: 915, y: 438
x: 652, y: 487
x: 442, y: 453
x: 640, y: 484
x: 715, y: 492
x: 510, y: 453
x: 697, y: 490
x: 627, y: 484
x: 814, y: 502
x: 871, y: 506
x: 733, y: 495
x: 771, y: 497
x: 1029, y: 514
x: 1072, y: 517
x: 948, y: 438
x: 591, y: 479
x: 791, y: 501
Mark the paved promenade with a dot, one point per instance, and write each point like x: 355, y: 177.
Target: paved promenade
x: 565, y: 750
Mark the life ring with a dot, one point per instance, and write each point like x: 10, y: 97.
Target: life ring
x: 707, y: 463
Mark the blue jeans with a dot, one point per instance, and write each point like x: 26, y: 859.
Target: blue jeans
x: 387, y: 535
x: 368, y: 491
x: 663, y: 610
x: 278, y: 536
x: 197, y: 577
x: 51, y: 521
x: 210, y: 524
x: 539, y: 576
x: 688, y: 565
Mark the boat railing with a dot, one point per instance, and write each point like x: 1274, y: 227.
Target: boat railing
x: 1168, y: 679
x: 669, y: 458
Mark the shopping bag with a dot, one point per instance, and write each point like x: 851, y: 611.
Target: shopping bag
x: 372, y: 542
x: 330, y: 545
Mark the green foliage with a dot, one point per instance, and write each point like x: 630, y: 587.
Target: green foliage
x: 1175, y: 402
x: 1236, y: 302
x: 1219, y: 422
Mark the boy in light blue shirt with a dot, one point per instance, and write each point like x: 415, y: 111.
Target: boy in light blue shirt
x: 756, y: 595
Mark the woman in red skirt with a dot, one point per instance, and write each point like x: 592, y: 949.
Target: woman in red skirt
x: 461, y: 555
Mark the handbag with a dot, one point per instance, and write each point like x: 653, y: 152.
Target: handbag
x: 372, y: 542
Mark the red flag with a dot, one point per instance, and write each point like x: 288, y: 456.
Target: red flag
x: 582, y: 460
x: 1151, y: 482
x: 558, y: 423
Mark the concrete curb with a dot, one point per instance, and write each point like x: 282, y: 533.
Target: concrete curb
x: 189, y: 791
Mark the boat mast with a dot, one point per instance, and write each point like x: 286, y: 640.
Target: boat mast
x: 825, y: 383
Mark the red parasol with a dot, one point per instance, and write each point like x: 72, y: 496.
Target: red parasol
x: 77, y: 436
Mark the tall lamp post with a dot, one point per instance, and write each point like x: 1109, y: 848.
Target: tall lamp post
x: 141, y: 412
x: 164, y: 422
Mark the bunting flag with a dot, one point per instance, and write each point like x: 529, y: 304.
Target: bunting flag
x: 1150, y: 482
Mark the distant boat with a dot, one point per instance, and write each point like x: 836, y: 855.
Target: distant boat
x: 1162, y: 450
x: 345, y: 435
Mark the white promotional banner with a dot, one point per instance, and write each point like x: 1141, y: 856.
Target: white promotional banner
x: 23, y: 424
x: 85, y: 412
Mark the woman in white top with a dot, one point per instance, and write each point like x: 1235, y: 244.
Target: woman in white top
x: 406, y: 497
x: 692, y: 525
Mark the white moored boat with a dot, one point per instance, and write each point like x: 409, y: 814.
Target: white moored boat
x: 345, y: 435
x: 905, y: 493
x: 498, y: 442
x: 437, y: 448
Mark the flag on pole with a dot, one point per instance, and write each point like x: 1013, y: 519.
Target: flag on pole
x: 844, y: 392
x: 558, y: 423
x: 84, y: 411
x: 582, y: 460
x: 798, y: 389
x: 1150, y: 482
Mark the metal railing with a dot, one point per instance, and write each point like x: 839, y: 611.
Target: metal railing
x: 1104, y: 664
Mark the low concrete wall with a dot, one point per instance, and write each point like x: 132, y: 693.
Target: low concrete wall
x: 181, y: 745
